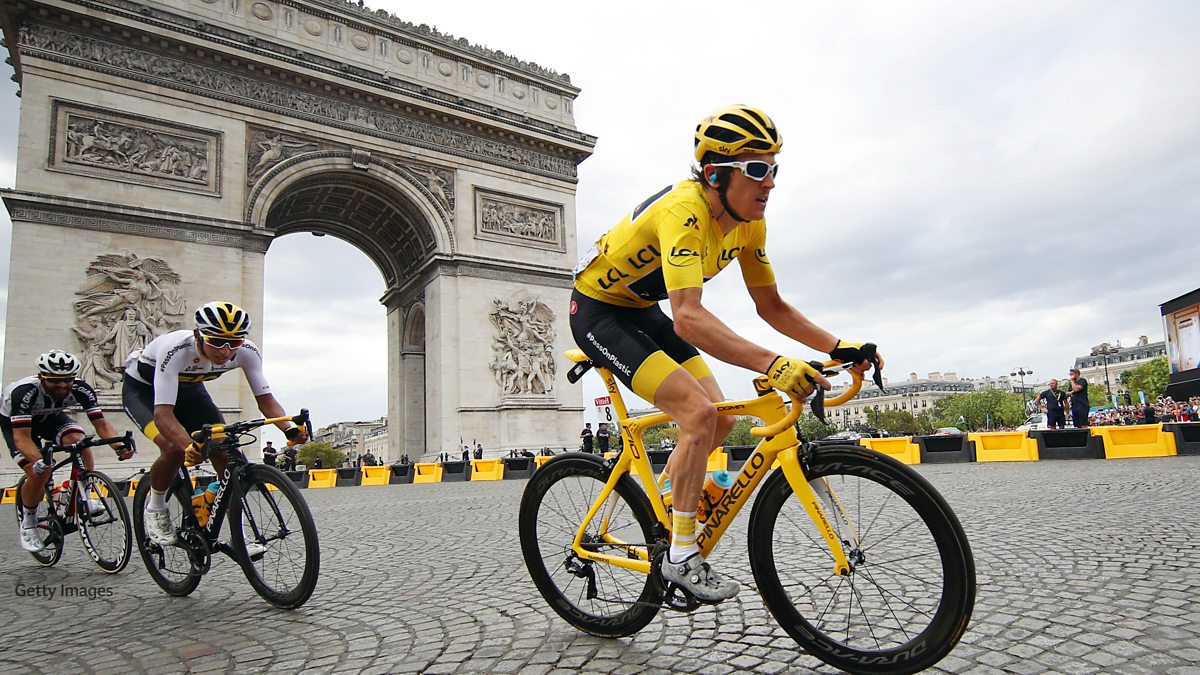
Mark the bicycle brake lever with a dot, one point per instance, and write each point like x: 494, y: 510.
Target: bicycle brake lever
x: 818, y: 401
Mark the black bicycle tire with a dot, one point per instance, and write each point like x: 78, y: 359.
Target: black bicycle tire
x: 645, y: 608
x: 181, y: 494
x: 956, y: 601
x: 115, y: 566
x: 41, y: 557
x: 260, y: 474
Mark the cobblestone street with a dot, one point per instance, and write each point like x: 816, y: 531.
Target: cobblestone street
x: 1084, y: 566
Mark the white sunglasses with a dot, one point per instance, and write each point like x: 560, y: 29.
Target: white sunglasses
x: 756, y: 169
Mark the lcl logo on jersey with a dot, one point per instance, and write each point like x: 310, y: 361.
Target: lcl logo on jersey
x: 761, y: 254
x: 727, y: 256
x: 682, y: 256
x: 643, y: 257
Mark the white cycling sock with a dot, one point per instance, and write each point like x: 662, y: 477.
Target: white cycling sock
x: 28, y: 517
x: 158, y: 500
x: 683, y: 536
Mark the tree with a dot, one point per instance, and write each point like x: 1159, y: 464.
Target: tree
x: 652, y: 437
x: 1150, y: 377
x: 330, y: 456
x: 979, y: 408
x: 813, y: 429
x: 741, y: 432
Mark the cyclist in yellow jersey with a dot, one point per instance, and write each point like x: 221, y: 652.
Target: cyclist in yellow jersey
x: 665, y: 249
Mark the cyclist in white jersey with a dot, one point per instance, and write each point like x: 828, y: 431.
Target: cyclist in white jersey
x: 164, y: 394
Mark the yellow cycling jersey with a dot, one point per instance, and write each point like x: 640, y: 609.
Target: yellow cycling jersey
x: 670, y: 241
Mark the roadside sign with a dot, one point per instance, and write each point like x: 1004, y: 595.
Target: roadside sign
x: 604, y: 409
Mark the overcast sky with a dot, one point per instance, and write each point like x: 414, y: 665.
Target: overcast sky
x: 973, y: 186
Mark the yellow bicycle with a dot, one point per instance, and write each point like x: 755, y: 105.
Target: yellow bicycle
x: 856, y: 555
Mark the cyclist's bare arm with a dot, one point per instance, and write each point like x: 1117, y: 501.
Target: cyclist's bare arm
x: 105, y: 429
x: 23, y: 437
x: 785, y: 318
x: 169, y: 428
x: 710, y: 335
x: 271, y: 408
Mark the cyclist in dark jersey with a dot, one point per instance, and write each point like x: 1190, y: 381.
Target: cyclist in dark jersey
x: 665, y: 249
x: 33, y: 412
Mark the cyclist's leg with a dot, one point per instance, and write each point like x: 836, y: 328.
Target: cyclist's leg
x: 35, y: 485
x: 69, y: 432
x: 632, y: 344
x: 32, y: 489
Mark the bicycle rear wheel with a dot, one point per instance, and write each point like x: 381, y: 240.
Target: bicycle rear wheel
x: 48, y: 527
x: 106, y: 534
x: 910, y: 593
x: 596, y: 598
x: 274, y: 530
x: 169, y: 566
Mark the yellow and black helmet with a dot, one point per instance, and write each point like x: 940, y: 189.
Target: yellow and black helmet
x: 736, y: 129
x: 222, y: 319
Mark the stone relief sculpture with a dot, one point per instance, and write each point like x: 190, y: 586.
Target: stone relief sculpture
x: 518, y: 220
x: 180, y: 74
x: 128, y: 148
x: 125, y: 301
x: 523, y: 346
x: 268, y: 148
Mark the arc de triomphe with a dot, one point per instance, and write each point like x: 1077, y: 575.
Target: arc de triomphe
x: 164, y: 144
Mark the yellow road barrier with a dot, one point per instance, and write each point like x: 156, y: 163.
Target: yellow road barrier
x: 487, y: 469
x: 541, y: 459
x: 717, y: 461
x: 1142, y: 440
x: 901, y: 448
x: 376, y: 475
x: 133, y: 483
x: 1004, y: 446
x: 322, y: 478
x: 427, y: 472
x: 10, y: 496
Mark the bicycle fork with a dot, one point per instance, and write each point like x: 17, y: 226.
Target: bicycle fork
x: 811, y: 495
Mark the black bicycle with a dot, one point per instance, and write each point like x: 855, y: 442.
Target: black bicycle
x: 272, y: 534
x: 89, y: 502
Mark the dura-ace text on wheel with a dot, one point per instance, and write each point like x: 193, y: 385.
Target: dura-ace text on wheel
x: 911, y: 588
x: 275, y: 528
x: 597, y: 598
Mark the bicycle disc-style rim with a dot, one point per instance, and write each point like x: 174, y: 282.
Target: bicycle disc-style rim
x: 169, y: 566
x: 910, y: 595
x: 107, y: 535
x: 49, y: 556
x: 595, y: 597
x: 285, y: 574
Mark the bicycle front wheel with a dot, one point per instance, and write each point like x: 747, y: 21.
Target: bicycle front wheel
x: 48, y: 528
x: 595, y: 597
x: 170, y: 566
x: 274, y: 530
x: 910, y: 593
x: 104, y: 522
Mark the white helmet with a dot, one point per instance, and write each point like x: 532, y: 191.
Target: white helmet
x: 57, y: 363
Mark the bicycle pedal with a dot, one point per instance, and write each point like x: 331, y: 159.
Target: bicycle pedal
x: 677, y: 598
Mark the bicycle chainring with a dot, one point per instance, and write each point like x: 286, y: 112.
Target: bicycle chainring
x: 675, y: 597
x: 196, y: 545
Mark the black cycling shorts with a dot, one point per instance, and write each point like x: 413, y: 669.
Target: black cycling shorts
x: 193, y: 408
x: 638, y: 345
x: 50, y: 428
